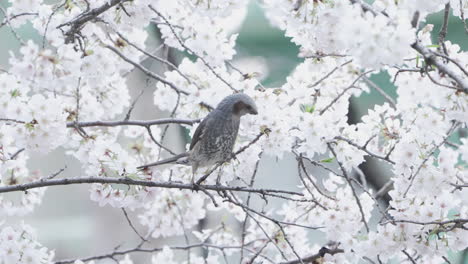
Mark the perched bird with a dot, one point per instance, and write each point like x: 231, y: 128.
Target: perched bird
x: 213, y: 140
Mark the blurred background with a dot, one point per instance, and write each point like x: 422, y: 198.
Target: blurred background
x: 74, y: 226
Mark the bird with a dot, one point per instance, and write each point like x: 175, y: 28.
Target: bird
x: 214, y: 139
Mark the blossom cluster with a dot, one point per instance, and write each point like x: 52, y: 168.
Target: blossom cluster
x: 13, y: 170
x: 200, y: 27
x: 19, y: 245
x: 324, y: 27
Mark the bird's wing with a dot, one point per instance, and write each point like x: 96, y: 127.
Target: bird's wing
x: 198, y: 132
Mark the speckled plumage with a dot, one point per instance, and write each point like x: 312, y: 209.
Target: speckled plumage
x: 214, y: 139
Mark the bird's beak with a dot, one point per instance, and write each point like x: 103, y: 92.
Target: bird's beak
x: 254, y: 112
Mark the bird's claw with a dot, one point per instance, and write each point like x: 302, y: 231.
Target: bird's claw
x: 234, y: 157
x: 222, y: 193
x: 195, y: 187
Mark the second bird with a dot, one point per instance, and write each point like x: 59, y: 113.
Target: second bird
x: 214, y: 139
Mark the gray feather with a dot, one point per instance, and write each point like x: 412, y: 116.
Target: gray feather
x: 176, y: 159
x: 214, y: 138
x: 198, y: 133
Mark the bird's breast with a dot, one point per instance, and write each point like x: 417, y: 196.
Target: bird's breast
x: 217, y: 143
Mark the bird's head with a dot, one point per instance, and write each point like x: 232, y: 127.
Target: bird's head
x: 240, y: 104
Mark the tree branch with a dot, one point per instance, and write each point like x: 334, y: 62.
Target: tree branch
x: 146, y: 71
x: 387, y: 97
x: 143, y: 123
x: 191, y: 51
x: 7, y: 19
x: 348, y: 179
x: 363, y: 148
x: 432, y: 59
x: 128, y: 181
x: 444, y: 29
x: 312, y: 258
x: 139, y: 249
x: 76, y: 23
x: 428, y: 55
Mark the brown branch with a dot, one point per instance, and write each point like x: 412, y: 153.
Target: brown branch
x: 328, y: 74
x: 365, y: 150
x: 14, y: 155
x: 348, y: 179
x: 444, y: 28
x: 139, y: 249
x: 446, y: 259
x: 244, y: 223
x: 257, y: 222
x: 191, y: 51
x: 162, y: 60
x: 459, y: 186
x: 301, y: 165
x: 148, y: 129
x: 249, y: 144
x: 312, y: 258
x: 409, y: 256
x: 432, y: 59
x: 318, y: 164
x: 462, y: 16
x: 279, y: 223
x: 381, y: 91
x: 146, y: 71
x: 384, y: 189
x: 78, y: 22
x: 454, y: 62
x: 12, y: 120
x: 143, y: 123
x: 343, y: 92
x: 428, y: 155
x: 428, y: 55
x: 453, y: 221
x: 6, y: 20
x: 132, y: 226
x: 128, y: 181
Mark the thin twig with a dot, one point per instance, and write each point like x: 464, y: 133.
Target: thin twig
x: 348, y: 179
x: 428, y: 155
x: 132, y: 226
x: 380, y: 91
x: 444, y: 28
x: 313, y: 258
x: 191, y: 51
x: 146, y: 71
x: 344, y: 91
x: 328, y: 74
x: 432, y: 59
x: 365, y: 150
x: 384, y: 189
x: 409, y: 256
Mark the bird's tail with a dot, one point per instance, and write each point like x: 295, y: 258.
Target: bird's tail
x: 175, y: 159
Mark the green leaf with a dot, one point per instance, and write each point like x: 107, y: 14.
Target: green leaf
x: 29, y: 126
x: 433, y: 46
x: 15, y: 93
x: 308, y: 108
x: 327, y: 160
